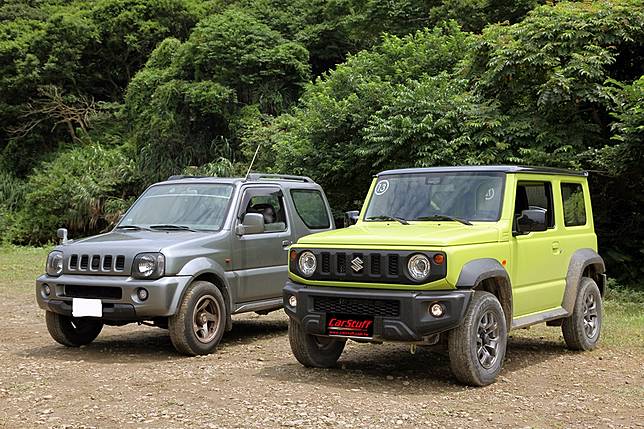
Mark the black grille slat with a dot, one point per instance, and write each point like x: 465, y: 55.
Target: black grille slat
x: 393, y: 265
x: 96, y: 262
x: 356, y: 306
x: 73, y: 262
x: 326, y: 263
x: 341, y: 266
x: 120, y: 263
x: 93, y: 292
x: 375, y: 264
x: 84, y: 262
x: 107, y: 262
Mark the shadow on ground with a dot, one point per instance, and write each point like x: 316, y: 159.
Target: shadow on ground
x: 148, y: 344
x: 381, y: 368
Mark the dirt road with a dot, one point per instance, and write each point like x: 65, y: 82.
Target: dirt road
x: 131, y: 377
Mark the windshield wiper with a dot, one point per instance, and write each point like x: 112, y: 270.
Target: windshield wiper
x: 385, y: 217
x: 132, y: 227
x: 171, y: 227
x: 445, y: 217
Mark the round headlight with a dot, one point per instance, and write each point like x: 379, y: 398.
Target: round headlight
x: 55, y: 263
x: 146, y: 265
x: 307, y: 263
x: 418, y: 267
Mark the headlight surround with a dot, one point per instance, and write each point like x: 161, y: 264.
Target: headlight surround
x: 54, y: 265
x: 418, y: 267
x: 148, y: 266
x: 307, y: 263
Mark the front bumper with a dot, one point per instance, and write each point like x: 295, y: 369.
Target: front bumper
x: 117, y: 293
x: 411, y: 322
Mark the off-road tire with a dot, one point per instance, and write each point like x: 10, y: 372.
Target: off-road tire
x: 72, y: 331
x: 573, y: 327
x: 312, y: 351
x: 463, y: 343
x: 182, y: 331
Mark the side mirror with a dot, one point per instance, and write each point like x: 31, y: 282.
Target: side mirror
x: 532, y: 220
x: 253, y: 223
x: 351, y: 218
x: 62, y: 234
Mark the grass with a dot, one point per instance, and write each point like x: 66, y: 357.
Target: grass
x: 624, y: 308
x: 19, y: 268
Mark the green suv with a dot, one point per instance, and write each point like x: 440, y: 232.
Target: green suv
x: 459, y: 253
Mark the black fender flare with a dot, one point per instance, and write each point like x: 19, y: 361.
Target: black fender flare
x: 579, y: 261
x: 476, y: 271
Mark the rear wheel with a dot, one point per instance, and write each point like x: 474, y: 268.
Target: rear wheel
x: 311, y: 350
x: 477, y: 347
x: 200, y: 321
x: 581, y: 330
x: 72, y: 331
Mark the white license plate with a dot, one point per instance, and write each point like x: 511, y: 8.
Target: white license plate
x: 82, y: 307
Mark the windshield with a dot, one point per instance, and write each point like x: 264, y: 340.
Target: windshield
x: 435, y: 196
x: 195, y: 206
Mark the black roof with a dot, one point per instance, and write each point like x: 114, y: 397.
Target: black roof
x: 487, y: 169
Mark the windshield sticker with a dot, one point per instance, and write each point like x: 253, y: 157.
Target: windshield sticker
x: 490, y: 194
x: 382, y: 187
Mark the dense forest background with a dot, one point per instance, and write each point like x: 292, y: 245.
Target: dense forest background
x: 98, y: 99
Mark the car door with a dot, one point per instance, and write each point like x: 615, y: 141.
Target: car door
x: 260, y: 260
x: 538, y: 274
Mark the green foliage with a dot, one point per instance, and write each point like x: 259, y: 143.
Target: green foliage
x: 83, y: 189
x: 100, y: 98
x: 188, y: 103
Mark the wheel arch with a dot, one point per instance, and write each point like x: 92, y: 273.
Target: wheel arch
x: 206, y: 269
x: 583, y: 263
x: 488, y: 275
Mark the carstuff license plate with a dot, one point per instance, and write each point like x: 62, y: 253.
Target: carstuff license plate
x: 82, y: 307
x: 349, y: 326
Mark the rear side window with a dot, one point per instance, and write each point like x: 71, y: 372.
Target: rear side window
x: 310, y: 206
x: 574, y: 206
x: 535, y: 196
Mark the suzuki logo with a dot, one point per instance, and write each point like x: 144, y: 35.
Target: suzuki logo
x: 357, y: 264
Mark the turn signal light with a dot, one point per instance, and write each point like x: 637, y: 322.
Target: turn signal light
x: 439, y: 259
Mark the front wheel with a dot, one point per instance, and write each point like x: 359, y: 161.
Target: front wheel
x: 200, y: 321
x: 477, y: 347
x: 311, y: 350
x: 581, y: 330
x: 72, y: 331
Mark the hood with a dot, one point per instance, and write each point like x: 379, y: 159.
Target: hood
x: 138, y: 241
x: 416, y: 234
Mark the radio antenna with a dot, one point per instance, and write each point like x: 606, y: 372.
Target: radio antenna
x: 252, y: 161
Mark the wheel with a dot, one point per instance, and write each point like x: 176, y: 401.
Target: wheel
x: 200, y: 321
x: 581, y: 330
x: 311, y: 350
x: 477, y: 347
x: 72, y: 331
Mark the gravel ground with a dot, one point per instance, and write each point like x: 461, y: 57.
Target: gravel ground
x: 131, y: 377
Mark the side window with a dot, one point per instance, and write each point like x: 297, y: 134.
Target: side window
x: 310, y: 207
x: 574, y: 206
x: 535, y: 195
x: 270, y: 204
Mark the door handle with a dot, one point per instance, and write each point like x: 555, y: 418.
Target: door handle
x: 556, y: 249
x: 286, y: 243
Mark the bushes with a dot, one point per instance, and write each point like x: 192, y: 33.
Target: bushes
x: 84, y: 189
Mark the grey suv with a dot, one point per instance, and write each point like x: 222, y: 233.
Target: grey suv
x: 188, y: 254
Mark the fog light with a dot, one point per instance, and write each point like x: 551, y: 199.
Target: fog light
x: 292, y: 301
x: 142, y: 294
x: 436, y: 310
x: 46, y: 290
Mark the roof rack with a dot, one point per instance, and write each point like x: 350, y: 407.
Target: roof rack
x: 259, y: 176
x: 186, y: 176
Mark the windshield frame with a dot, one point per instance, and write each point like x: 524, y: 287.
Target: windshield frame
x: 502, y: 175
x: 226, y: 211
